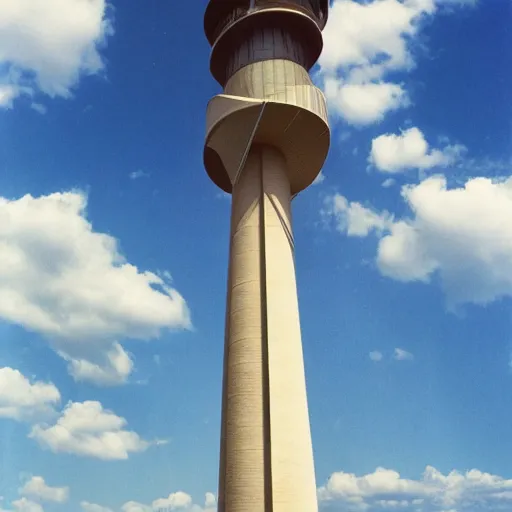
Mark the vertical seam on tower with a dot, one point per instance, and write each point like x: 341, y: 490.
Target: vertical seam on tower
x: 267, y: 447
x: 249, y: 144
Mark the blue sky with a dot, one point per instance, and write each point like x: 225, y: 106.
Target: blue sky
x: 113, y: 254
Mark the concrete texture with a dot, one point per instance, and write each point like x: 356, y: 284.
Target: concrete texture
x: 267, y: 139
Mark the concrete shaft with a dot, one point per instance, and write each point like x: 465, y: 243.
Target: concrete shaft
x: 266, y: 452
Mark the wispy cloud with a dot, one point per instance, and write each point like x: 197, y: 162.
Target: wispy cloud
x: 376, y: 356
x: 223, y: 195
x: 39, y: 108
x: 135, y: 175
x: 402, y: 355
x: 319, y: 179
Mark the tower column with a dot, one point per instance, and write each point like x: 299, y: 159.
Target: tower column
x: 266, y: 453
x: 267, y: 137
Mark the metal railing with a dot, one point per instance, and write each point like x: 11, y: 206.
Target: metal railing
x: 304, y: 6
x: 234, y: 15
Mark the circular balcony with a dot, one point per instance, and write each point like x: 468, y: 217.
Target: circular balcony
x: 279, y: 30
x: 222, y: 13
x: 271, y: 103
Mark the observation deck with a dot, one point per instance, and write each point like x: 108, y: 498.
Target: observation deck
x: 227, y: 22
x: 262, y: 51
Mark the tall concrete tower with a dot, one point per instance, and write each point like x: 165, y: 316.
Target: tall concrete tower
x: 267, y: 139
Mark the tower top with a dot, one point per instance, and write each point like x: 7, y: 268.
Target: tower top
x: 221, y: 13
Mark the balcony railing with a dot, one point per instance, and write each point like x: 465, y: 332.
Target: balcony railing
x: 304, y: 6
x: 234, y: 15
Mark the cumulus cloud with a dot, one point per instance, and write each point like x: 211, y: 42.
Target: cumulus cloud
x: 47, y: 45
x: 36, y: 488
x: 24, y: 505
x: 462, y: 234
x: 355, y: 219
x: 385, y: 490
x: 364, y: 103
x: 60, y: 278
x: 402, y: 355
x: 177, y: 500
x: 210, y: 500
x: 376, y: 356
x: 364, y: 42
x: 180, y: 501
x: 23, y: 400
x: 86, y: 429
x: 409, y: 150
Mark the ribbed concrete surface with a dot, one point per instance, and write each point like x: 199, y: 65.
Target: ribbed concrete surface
x: 293, y: 472
x: 266, y: 454
x: 243, y: 489
x: 294, y: 120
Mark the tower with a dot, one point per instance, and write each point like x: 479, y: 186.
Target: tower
x: 267, y: 138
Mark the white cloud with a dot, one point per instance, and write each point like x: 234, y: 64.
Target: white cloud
x: 47, y: 45
x: 460, y: 233
x: 22, y: 400
x: 60, y: 278
x: 115, y: 366
x: 36, y: 488
x: 24, y: 505
x: 177, y: 500
x: 361, y: 34
x: 92, y: 507
x: 135, y: 175
x: 375, y: 356
x: 210, y: 500
x: 364, y: 103
x: 39, y: 108
x: 180, y: 501
x: 133, y: 506
x: 463, y: 234
x: 319, y: 179
x: 7, y: 94
x: 88, y: 430
x: 389, y: 182
x: 355, y: 219
x: 385, y: 490
x: 363, y: 43
x: 402, y: 355
x: 223, y: 195
x: 396, y: 153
